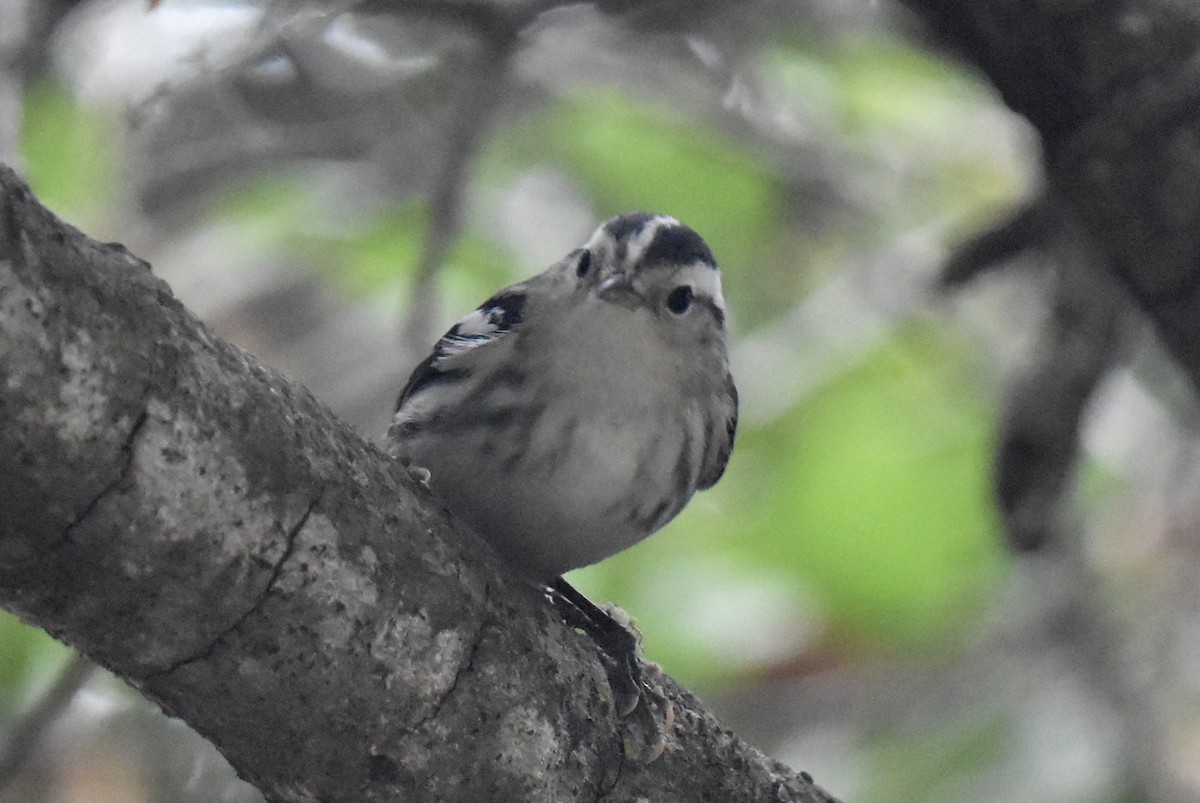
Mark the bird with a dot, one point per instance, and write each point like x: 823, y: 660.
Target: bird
x: 575, y: 413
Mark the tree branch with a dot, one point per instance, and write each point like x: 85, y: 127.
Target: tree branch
x: 1112, y: 89
x: 205, y: 529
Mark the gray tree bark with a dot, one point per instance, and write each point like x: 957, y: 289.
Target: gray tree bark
x: 206, y: 530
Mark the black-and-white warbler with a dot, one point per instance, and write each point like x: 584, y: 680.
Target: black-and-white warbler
x: 575, y: 413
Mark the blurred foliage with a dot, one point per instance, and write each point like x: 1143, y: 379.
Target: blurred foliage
x: 886, y: 470
x: 29, y: 659
x: 373, y: 254
x: 384, y: 253
x: 364, y: 255
x: 869, y: 83
x: 269, y: 213
x: 904, y: 118
x: 938, y: 763
x: 71, y: 156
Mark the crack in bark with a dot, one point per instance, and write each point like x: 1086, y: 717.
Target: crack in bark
x: 122, y: 475
x: 293, y: 535
x: 601, y: 792
x: 468, y: 665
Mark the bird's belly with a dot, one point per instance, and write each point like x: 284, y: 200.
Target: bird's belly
x: 580, y: 490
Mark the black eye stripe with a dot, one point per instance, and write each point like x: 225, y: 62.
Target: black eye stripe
x: 713, y: 308
x: 717, y: 312
x: 585, y: 263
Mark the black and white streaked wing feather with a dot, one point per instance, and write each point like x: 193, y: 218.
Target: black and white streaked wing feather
x: 488, y: 323
x: 720, y: 445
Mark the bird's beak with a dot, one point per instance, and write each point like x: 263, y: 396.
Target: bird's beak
x: 618, y: 289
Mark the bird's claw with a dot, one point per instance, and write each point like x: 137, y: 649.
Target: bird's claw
x: 646, y: 714
x: 648, y: 721
x: 419, y: 475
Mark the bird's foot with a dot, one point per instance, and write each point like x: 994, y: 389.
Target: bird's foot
x: 646, y: 713
x: 419, y: 475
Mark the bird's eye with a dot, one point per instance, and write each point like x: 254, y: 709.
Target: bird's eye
x: 680, y: 299
x: 585, y: 263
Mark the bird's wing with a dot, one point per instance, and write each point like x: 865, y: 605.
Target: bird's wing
x: 488, y: 323
x: 721, y: 442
